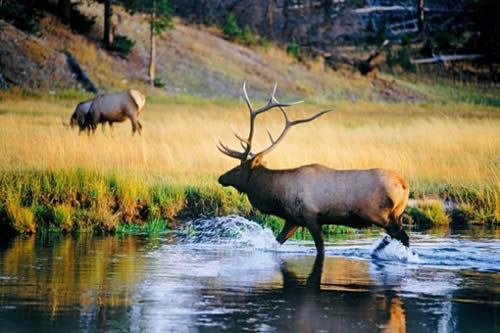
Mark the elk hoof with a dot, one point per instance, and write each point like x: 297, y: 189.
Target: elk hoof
x: 402, y: 236
x: 385, y: 241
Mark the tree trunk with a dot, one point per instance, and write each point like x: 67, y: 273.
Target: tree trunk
x: 285, y: 17
x: 108, y: 29
x: 65, y: 10
x: 152, y: 53
x: 327, y: 10
x: 269, y: 17
x: 420, y: 16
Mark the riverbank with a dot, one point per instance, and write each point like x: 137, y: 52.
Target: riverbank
x: 87, y: 201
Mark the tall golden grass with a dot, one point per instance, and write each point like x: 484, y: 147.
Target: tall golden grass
x: 447, y: 150
x: 424, y: 143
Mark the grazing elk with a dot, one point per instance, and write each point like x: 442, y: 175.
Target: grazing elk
x: 313, y: 195
x: 80, y: 114
x: 116, y: 107
x: 79, y: 117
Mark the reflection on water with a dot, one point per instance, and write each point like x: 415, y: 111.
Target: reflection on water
x: 88, y: 283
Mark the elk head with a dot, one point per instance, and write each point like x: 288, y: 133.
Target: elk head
x: 239, y: 176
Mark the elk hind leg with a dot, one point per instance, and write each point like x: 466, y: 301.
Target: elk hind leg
x: 135, y: 126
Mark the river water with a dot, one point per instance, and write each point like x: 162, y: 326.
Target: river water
x: 229, y: 274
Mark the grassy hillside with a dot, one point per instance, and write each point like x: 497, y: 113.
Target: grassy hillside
x: 191, y: 60
x: 197, y: 60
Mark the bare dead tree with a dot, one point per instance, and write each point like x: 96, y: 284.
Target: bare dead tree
x: 108, y: 29
x: 420, y: 16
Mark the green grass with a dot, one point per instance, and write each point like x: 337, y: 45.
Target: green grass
x: 85, y: 201
x: 152, y: 227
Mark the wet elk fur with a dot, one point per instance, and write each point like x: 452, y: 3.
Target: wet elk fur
x: 116, y: 107
x: 313, y: 195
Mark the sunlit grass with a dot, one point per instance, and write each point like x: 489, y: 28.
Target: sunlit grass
x: 422, y: 142
x: 448, y: 151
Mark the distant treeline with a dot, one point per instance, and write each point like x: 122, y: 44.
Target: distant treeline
x: 466, y: 26
x: 316, y: 26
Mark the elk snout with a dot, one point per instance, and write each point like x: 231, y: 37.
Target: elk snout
x: 223, y: 180
x: 73, y: 122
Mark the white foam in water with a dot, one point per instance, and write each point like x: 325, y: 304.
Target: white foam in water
x: 394, y: 251
x: 230, y: 230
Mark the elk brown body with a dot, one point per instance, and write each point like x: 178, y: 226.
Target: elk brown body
x: 313, y: 195
x: 116, y: 107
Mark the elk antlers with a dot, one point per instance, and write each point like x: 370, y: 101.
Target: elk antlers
x: 246, y: 144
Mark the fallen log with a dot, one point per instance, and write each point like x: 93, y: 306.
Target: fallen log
x: 80, y: 74
x: 446, y: 58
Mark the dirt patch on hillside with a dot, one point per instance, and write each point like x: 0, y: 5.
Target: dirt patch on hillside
x: 28, y: 61
x: 390, y: 90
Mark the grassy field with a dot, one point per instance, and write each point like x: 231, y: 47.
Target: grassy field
x: 445, y: 150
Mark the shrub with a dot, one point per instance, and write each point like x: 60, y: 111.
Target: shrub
x: 63, y: 217
x: 158, y: 83
x: 231, y: 28
x: 264, y: 42
x: 466, y: 213
x: 293, y: 49
x: 247, y: 36
x: 21, y: 219
x: 427, y: 213
x: 122, y: 45
x: 43, y: 217
x: 98, y: 218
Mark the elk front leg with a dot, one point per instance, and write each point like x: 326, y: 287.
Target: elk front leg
x: 287, y: 232
x: 317, y: 235
x: 111, y: 128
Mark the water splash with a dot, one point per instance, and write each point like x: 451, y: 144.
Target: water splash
x: 231, y: 230
x: 393, y: 250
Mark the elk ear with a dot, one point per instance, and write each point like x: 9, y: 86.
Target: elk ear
x: 257, y: 160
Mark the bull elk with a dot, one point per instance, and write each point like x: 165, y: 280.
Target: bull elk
x: 313, y: 195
